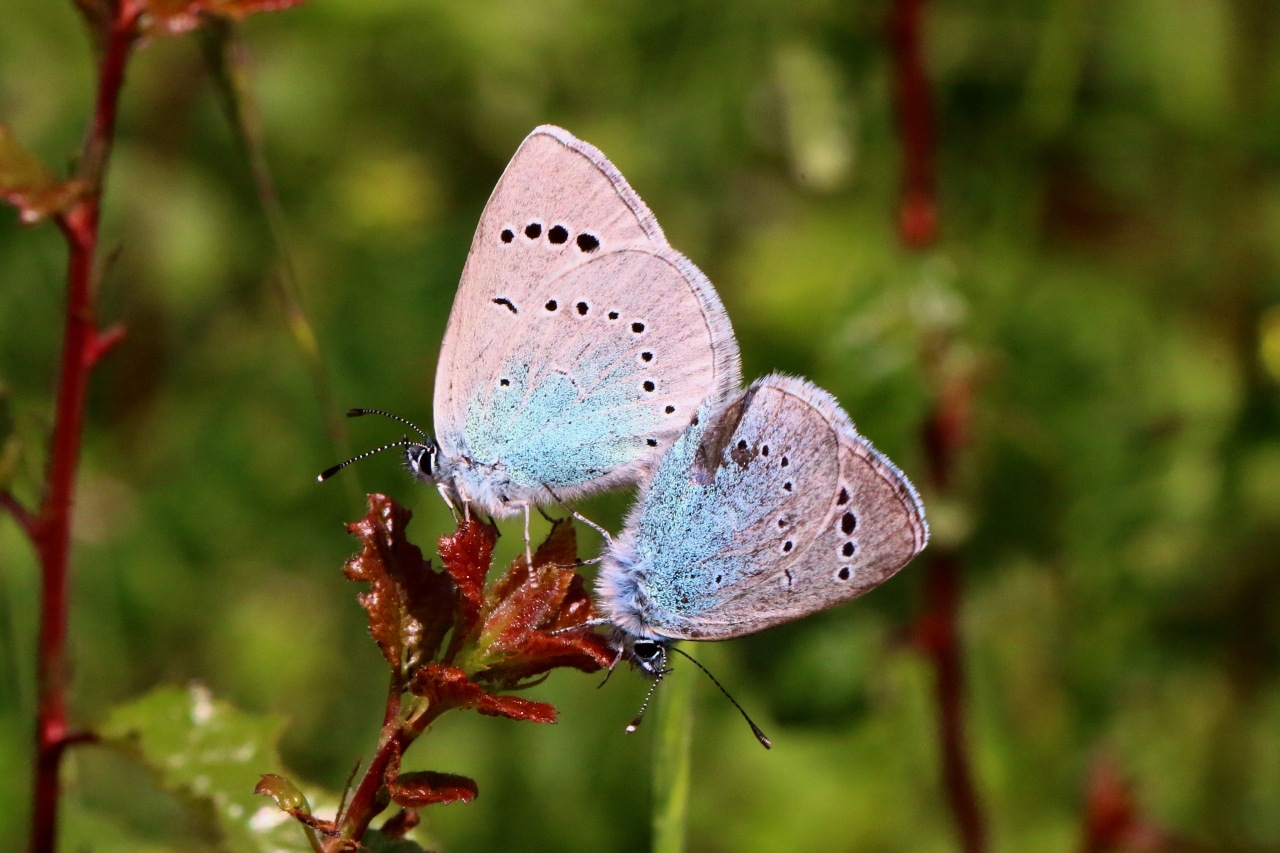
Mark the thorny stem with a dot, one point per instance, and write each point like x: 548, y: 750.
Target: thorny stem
x: 82, y: 345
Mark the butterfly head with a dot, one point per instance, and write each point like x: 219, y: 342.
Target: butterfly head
x: 647, y: 655
x: 424, y: 460
x: 423, y: 457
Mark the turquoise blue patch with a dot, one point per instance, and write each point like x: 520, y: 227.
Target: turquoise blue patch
x: 564, y: 431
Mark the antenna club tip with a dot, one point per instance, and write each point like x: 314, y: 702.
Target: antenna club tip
x: 764, y: 741
x: 355, y: 413
x: 327, y: 473
x: 631, y: 728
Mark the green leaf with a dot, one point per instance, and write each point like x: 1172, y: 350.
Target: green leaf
x: 211, y: 753
x: 375, y: 842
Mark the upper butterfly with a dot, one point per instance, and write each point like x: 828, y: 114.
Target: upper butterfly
x: 580, y: 343
x: 769, y: 507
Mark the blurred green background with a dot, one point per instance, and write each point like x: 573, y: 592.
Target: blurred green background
x: 1108, y: 275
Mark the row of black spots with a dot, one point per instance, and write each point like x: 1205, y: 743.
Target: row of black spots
x: 583, y: 308
x: 848, y: 523
x: 556, y: 234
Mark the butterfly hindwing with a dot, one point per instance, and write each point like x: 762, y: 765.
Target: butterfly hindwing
x: 773, y: 509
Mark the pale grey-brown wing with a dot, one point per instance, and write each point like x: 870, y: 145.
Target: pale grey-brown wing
x: 565, y: 262
x: 828, y: 518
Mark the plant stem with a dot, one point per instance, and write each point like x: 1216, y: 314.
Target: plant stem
x: 229, y: 59
x: 82, y: 345
x: 918, y: 213
x: 672, y: 761
x: 945, y: 437
x: 942, y: 644
x: 394, y: 740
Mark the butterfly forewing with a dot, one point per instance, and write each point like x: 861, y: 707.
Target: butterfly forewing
x: 579, y: 343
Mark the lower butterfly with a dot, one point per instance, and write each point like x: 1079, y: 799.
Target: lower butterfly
x: 768, y: 507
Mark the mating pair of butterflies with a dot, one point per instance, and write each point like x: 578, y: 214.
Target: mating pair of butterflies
x: 584, y: 353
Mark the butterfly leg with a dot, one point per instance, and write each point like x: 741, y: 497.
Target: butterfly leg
x: 528, y: 554
x: 444, y: 493
x: 607, y: 538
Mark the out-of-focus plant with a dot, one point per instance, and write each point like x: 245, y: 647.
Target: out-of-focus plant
x: 74, y: 204
x: 451, y: 644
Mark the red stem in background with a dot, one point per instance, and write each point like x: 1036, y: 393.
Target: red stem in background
x: 937, y: 635
x: 81, y: 348
x: 945, y: 434
x: 937, y: 631
x: 918, y: 213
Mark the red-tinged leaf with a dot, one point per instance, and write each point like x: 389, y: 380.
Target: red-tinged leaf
x: 427, y: 787
x: 575, y: 608
x: 428, y: 596
x: 466, y: 556
x: 175, y: 17
x: 517, y: 708
x: 445, y: 687
x: 532, y: 601
x: 410, y: 606
x: 527, y: 614
x: 583, y: 650
x: 399, y: 824
x: 29, y: 186
x: 527, y: 597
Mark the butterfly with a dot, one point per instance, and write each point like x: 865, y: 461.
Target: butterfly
x: 579, y: 346
x: 768, y: 507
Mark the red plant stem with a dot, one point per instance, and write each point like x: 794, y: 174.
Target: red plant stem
x: 365, y: 804
x: 398, y: 734
x: 940, y: 639
x: 51, y: 529
x: 395, y: 739
x: 945, y: 434
x: 20, y: 513
x: 937, y: 630
x: 918, y: 214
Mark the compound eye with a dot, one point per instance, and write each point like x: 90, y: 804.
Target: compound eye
x: 646, y: 650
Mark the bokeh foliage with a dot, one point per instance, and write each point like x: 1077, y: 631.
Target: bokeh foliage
x: 1109, y: 274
